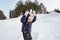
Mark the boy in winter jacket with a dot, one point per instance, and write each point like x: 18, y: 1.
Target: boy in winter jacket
x: 27, y: 21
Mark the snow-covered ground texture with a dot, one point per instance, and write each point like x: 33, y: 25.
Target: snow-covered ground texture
x: 47, y: 27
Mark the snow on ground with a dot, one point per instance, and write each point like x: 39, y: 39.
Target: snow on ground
x: 47, y: 27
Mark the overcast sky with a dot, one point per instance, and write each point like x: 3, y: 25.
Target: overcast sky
x: 7, y: 5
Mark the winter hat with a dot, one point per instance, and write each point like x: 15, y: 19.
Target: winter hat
x: 30, y: 13
x: 26, y: 13
x: 30, y: 10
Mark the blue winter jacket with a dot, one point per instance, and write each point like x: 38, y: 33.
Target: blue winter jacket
x: 26, y: 26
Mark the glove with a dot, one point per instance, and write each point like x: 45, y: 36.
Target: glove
x: 30, y: 10
x: 34, y: 13
x: 26, y: 13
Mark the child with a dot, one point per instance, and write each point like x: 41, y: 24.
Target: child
x: 27, y: 21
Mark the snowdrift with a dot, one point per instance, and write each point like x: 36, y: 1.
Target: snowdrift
x: 47, y: 27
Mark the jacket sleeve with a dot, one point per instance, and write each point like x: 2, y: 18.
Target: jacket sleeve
x: 23, y: 19
x: 34, y: 19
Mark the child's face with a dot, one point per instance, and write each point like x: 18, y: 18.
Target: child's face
x: 30, y: 18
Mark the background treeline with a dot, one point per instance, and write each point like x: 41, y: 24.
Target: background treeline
x: 21, y: 7
x: 2, y: 16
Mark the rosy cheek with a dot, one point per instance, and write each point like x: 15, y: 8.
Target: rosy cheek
x: 29, y: 20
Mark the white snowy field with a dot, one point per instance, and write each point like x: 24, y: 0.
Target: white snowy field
x: 47, y: 27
